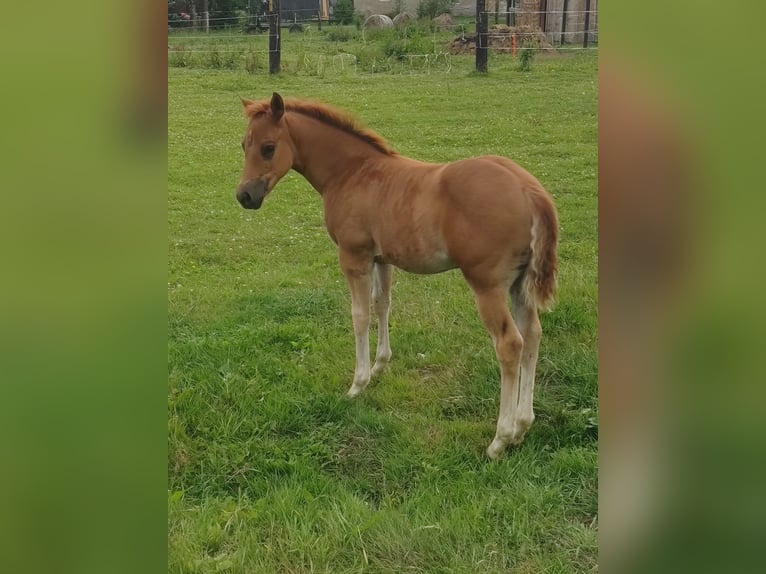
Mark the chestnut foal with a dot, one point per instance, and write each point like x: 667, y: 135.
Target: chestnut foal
x: 486, y: 216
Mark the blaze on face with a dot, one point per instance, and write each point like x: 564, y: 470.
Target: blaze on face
x: 268, y: 153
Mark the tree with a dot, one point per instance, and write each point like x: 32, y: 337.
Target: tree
x: 432, y: 8
x: 223, y: 13
x: 344, y: 11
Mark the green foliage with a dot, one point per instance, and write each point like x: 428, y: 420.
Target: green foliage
x: 223, y: 14
x: 179, y: 57
x: 254, y: 62
x: 429, y: 9
x: 526, y: 55
x: 343, y: 13
x: 338, y: 34
x: 401, y: 43
x: 397, y: 8
x: 218, y: 59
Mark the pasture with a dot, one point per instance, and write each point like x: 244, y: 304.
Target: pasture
x: 271, y: 468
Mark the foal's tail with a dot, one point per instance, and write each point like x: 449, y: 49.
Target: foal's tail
x: 539, y: 280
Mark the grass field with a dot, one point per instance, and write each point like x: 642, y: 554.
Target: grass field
x: 271, y: 468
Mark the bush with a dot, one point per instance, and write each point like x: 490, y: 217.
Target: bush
x: 225, y: 59
x: 399, y: 46
x: 429, y: 9
x: 223, y: 13
x: 338, y: 35
x: 178, y: 58
x: 344, y: 11
x: 526, y: 55
x: 398, y: 7
x: 253, y: 62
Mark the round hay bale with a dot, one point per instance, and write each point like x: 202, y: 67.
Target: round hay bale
x: 378, y: 21
x: 403, y: 19
x: 444, y: 22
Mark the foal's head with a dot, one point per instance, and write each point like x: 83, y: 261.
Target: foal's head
x: 268, y: 151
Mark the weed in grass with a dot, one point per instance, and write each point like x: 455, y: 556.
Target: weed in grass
x: 178, y: 57
x: 401, y: 45
x: 526, y: 55
x: 253, y: 62
x: 338, y: 34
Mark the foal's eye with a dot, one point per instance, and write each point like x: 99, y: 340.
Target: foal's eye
x: 267, y: 150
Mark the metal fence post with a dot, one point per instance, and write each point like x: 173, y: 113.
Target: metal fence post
x: 482, y: 39
x: 564, y: 22
x: 274, y: 39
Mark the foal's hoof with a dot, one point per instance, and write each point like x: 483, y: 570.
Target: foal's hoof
x: 378, y: 368
x: 497, y: 449
x: 354, y: 391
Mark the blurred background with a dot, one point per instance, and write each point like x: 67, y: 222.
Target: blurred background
x: 83, y: 228
x: 680, y: 482
x: 83, y: 311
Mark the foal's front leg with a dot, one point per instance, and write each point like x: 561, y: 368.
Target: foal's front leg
x: 381, y: 301
x: 357, y: 271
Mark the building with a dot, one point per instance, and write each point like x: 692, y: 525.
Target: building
x: 547, y: 15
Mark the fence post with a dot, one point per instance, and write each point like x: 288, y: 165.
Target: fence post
x: 585, y: 33
x: 564, y: 22
x: 482, y: 40
x: 274, y: 40
x: 206, y: 16
x: 510, y: 13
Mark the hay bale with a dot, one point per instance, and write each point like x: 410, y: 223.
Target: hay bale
x: 378, y: 21
x: 403, y: 19
x: 444, y: 22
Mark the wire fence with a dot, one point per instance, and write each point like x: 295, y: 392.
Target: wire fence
x: 418, y: 47
x: 289, y: 16
x: 314, y: 12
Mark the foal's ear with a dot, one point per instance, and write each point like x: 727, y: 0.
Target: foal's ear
x: 246, y: 103
x: 277, y: 107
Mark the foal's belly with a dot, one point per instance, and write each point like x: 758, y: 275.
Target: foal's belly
x: 417, y: 261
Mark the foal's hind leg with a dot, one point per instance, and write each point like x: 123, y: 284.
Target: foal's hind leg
x: 381, y: 301
x: 493, y: 308
x: 525, y: 314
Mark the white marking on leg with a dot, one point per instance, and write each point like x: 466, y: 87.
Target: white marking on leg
x: 361, y: 318
x: 359, y: 284
x: 529, y: 325
x: 381, y: 297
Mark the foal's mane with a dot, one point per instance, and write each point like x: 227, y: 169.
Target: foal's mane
x: 327, y: 115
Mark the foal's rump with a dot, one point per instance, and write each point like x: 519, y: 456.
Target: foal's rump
x: 501, y: 225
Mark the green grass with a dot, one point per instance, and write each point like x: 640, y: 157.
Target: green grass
x: 270, y: 468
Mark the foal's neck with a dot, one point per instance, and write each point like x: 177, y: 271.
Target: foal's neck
x: 325, y: 155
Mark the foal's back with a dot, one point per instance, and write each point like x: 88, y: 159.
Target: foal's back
x: 427, y: 218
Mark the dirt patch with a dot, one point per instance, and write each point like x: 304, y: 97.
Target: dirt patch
x: 501, y: 39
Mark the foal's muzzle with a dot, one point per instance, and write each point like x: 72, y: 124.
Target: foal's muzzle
x: 250, y: 194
